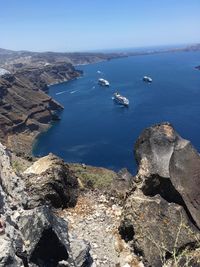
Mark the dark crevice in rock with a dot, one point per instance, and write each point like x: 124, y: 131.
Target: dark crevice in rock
x: 168, y: 255
x: 88, y: 262
x: 24, y: 260
x: 49, y: 250
x: 1, y: 204
x: 126, y: 231
x: 61, y: 199
x: 163, y: 186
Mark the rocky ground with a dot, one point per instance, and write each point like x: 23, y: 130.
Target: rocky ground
x: 96, y: 219
x: 57, y: 214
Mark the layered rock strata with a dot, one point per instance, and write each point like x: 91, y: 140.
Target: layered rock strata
x: 25, y: 110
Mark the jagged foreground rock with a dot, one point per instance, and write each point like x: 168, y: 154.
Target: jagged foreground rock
x: 35, y: 236
x: 161, y: 217
x: 185, y: 175
x: 159, y: 230
x: 170, y: 166
x: 48, y: 180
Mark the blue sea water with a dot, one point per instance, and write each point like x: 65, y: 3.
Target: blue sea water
x: 96, y: 131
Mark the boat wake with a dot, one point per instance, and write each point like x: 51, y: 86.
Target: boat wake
x: 59, y: 93
x: 72, y: 92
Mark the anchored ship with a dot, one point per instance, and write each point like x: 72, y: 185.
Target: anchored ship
x: 103, y: 82
x: 122, y: 100
x: 147, y: 79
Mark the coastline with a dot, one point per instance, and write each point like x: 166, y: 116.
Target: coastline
x: 29, y: 137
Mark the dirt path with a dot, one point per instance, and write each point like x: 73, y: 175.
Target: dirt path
x: 96, y: 221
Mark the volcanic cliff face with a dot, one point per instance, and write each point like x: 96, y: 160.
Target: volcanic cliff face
x: 22, y: 110
x: 25, y: 110
x: 39, y: 77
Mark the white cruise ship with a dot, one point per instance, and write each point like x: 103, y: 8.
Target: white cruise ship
x: 103, y: 82
x: 147, y: 79
x: 122, y: 100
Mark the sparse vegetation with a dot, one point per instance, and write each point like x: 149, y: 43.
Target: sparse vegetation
x: 91, y: 177
x: 17, y: 166
x: 179, y: 257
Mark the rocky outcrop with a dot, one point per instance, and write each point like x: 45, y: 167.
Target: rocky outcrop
x: 169, y: 165
x: 161, y: 214
x: 12, y: 185
x: 44, y: 237
x: 153, y: 151
x: 49, y: 181
x: 184, y: 171
x: 159, y: 230
x: 46, y: 241
x: 32, y: 235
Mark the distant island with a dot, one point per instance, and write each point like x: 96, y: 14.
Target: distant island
x: 18, y: 59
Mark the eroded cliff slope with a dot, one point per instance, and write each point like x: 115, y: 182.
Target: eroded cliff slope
x: 25, y: 109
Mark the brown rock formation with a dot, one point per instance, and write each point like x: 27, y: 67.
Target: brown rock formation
x: 185, y: 176
x: 48, y: 180
x: 161, y: 215
x: 159, y: 230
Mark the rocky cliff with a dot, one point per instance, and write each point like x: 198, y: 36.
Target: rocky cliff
x: 25, y: 110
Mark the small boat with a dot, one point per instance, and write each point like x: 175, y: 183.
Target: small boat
x: 103, y: 82
x: 122, y: 100
x: 147, y: 79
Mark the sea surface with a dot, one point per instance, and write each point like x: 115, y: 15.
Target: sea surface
x: 95, y: 130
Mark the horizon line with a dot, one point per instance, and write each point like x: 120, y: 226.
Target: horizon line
x: 109, y: 50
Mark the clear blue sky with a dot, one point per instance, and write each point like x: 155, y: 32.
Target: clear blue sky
x: 77, y: 25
